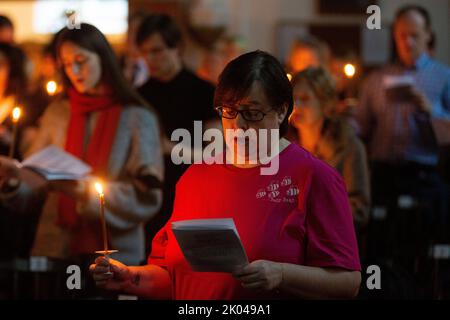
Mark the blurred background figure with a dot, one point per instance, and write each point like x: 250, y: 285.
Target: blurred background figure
x: 13, y: 84
x: 133, y: 64
x: 397, y: 107
x: 178, y: 95
x: 46, y: 85
x: 324, y: 133
x: 307, y: 52
x: 6, y: 30
x: 343, y: 68
x: 16, y: 233
x: 222, y: 51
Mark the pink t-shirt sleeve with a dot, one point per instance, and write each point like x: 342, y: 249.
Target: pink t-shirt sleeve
x: 331, y: 239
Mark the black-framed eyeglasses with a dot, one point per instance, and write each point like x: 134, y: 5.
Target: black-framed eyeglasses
x: 251, y: 115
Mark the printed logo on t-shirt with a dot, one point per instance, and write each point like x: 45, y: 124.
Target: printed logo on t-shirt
x: 279, y: 192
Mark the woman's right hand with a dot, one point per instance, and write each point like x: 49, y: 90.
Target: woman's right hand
x: 110, y: 274
x: 8, y: 167
x: 9, y: 172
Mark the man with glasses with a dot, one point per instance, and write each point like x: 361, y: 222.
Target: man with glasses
x: 177, y: 94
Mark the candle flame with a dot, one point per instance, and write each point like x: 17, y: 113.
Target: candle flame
x: 99, y: 188
x: 289, y: 76
x: 349, y: 70
x: 16, y: 114
x: 51, y: 87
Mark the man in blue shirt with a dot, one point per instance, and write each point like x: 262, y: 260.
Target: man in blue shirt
x: 398, y: 101
x: 397, y: 106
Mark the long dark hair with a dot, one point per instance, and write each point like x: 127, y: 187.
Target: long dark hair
x: 90, y: 38
x: 239, y: 75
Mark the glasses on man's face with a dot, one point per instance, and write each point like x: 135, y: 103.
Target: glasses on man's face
x: 251, y: 115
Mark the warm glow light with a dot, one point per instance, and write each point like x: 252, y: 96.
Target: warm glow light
x: 349, y: 70
x: 16, y: 114
x: 51, y: 87
x: 289, y: 76
x: 99, y: 188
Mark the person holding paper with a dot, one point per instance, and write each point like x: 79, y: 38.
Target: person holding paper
x: 290, y: 209
x: 398, y: 108
x: 103, y: 122
x: 414, y: 85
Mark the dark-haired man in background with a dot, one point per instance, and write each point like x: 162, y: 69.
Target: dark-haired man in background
x: 177, y: 94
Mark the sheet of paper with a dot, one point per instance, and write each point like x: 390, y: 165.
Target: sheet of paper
x: 56, y: 164
x: 210, y: 245
x: 393, y: 81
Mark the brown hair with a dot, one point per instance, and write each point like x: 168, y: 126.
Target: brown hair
x: 310, y: 42
x: 323, y: 86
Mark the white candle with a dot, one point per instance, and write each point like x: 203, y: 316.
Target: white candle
x: 99, y: 188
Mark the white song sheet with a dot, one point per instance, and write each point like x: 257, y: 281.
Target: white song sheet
x: 210, y: 245
x: 53, y: 163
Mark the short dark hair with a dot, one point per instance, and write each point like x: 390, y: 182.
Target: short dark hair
x: 239, y: 75
x: 419, y: 9
x: 6, y: 22
x: 162, y: 24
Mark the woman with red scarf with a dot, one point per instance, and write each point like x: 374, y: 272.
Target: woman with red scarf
x: 103, y: 122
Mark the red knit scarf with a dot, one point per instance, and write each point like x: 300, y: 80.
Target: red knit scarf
x: 87, y: 236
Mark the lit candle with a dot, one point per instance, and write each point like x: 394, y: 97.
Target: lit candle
x: 106, y: 252
x: 349, y: 71
x: 16, y: 113
x: 51, y: 87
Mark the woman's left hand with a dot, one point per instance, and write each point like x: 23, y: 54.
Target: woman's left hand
x: 260, y: 275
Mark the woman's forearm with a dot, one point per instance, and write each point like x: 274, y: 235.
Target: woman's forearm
x: 320, y: 283
x: 149, y: 281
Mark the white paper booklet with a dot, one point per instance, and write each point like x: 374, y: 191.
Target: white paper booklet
x: 56, y: 164
x: 210, y: 245
x: 394, y: 81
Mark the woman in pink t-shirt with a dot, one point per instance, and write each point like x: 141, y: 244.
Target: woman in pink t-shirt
x: 292, y: 212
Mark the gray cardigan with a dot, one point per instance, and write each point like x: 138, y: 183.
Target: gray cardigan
x: 129, y: 203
